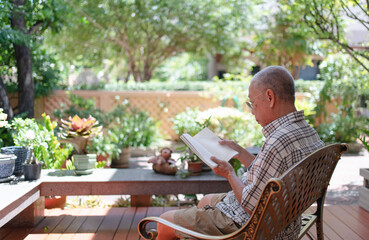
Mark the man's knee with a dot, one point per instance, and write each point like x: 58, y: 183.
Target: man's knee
x: 165, y: 232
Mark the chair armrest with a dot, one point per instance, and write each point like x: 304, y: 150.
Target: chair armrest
x: 151, y: 234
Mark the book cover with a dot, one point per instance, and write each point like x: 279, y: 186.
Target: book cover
x: 206, y: 144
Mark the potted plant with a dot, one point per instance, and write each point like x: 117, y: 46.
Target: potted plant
x: 54, y: 157
x: 364, y: 172
x: 29, y: 139
x: 189, y: 158
x: 129, y: 127
x: 32, y: 167
x: 78, y: 131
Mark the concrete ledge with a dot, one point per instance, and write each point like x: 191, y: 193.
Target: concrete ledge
x: 24, y: 202
x: 9, y: 209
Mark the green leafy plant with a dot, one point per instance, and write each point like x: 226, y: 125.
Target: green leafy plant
x: 342, y: 129
x: 55, y: 154
x: 81, y: 107
x: 227, y: 123
x: 363, y: 139
x: 5, y: 135
x: 345, y: 84
x: 131, y: 127
x: 79, y: 131
x: 27, y: 133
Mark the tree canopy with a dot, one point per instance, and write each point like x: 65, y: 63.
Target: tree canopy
x: 146, y: 32
x: 22, y: 23
x: 329, y: 20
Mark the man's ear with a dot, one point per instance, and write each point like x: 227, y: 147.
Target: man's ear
x: 270, y: 97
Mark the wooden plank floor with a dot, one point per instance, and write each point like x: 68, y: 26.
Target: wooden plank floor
x: 340, y: 222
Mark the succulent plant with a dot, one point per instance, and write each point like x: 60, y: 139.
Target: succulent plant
x: 78, y: 131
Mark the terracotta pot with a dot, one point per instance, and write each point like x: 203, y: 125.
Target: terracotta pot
x: 55, y: 202
x: 195, y: 168
x: 123, y: 161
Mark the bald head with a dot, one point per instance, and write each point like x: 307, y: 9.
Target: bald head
x: 279, y: 80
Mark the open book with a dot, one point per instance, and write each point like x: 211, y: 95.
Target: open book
x: 206, y: 144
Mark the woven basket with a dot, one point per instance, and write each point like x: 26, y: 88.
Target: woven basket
x: 22, y: 154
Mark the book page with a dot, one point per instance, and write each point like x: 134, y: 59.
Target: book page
x: 206, y: 144
x: 210, y: 141
x: 199, y: 150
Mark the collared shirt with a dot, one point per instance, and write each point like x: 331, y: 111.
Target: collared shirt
x: 288, y: 140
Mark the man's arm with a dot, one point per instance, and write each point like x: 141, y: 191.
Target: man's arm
x: 225, y: 170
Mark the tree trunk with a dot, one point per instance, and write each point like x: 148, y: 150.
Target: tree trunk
x: 24, y: 63
x: 4, y: 100
x: 147, y: 73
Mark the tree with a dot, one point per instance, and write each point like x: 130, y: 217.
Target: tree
x: 283, y: 38
x: 327, y: 19
x: 21, y: 26
x: 147, y: 32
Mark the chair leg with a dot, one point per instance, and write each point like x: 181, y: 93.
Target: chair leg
x: 309, y: 236
x: 319, y: 229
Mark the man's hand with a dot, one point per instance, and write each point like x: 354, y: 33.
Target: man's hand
x: 243, y: 155
x: 223, y: 169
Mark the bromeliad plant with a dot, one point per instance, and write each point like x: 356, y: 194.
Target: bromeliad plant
x: 79, y: 131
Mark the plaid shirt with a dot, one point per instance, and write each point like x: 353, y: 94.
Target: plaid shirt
x: 288, y: 140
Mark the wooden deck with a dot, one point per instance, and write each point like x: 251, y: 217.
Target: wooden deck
x: 340, y: 222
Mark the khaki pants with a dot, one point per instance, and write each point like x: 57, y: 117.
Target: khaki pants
x: 207, y: 220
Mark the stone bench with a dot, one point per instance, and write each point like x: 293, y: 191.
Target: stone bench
x: 23, y: 203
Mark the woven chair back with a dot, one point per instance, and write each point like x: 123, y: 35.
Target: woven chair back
x: 284, y: 199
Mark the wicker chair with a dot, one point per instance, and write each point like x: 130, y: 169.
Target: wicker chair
x: 282, y: 201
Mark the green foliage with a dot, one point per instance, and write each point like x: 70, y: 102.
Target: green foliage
x: 164, y: 200
x: 329, y: 21
x: 341, y: 129
x: 185, y: 122
x: 122, y: 202
x: 184, y: 67
x: 143, y: 34
x: 81, y: 107
x: 345, y: 83
x: 160, y: 86
x: 130, y: 127
x: 287, y: 40
x: 124, y: 126
x: 227, y: 123
x: 41, y: 137
x: 25, y: 132
x: 55, y: 154
x: 233, y: 87
x: 39, y: 16
x: 363, y: 139
x: 5, y: 136
x: 311, y: 87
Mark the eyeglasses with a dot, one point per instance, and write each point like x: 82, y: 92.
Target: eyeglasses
x: 249, y: 104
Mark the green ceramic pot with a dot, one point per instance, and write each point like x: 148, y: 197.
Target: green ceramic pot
x: 84, y: 163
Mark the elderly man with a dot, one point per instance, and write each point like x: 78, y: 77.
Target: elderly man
x: 289, y: 138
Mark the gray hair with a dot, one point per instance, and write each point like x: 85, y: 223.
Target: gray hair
x: 279, y: 80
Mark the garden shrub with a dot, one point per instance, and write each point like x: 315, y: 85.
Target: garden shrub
x: 227, y: 123
x: 346, y: 82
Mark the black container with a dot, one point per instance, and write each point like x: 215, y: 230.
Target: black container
x: 32, y: 171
